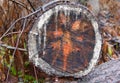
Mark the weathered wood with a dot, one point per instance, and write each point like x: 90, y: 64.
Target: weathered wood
x: 65, y: 40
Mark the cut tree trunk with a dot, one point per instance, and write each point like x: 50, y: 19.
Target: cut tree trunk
x: 52, y: 57
x: 65, y: 40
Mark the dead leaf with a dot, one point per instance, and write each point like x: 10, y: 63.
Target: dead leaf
x: 2, y: 75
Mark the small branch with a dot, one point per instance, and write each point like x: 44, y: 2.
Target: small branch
x: 12, y: 33
x: 12, y: 26
x: 21, y: 4
x: 31, y: 5
x: 35, y: 74
x: 13, y: 55
x: 13, y: 48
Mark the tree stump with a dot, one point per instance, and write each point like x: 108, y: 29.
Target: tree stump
x: 65, y: 40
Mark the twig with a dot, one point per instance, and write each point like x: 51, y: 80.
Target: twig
x: 12, y: 33
x: 18, y: 39
x: 31, y: 5
x: 12, y: 26
x: 35, y: 74
x: 21, y: 4
x: 110, y: 57
x: 13, y: 48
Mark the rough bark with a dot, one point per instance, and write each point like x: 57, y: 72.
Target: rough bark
x: 108, y: 72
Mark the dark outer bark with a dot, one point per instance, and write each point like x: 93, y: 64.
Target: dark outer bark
x: 108, y: 72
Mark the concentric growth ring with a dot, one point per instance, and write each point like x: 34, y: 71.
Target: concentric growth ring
x: 65, y: 40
